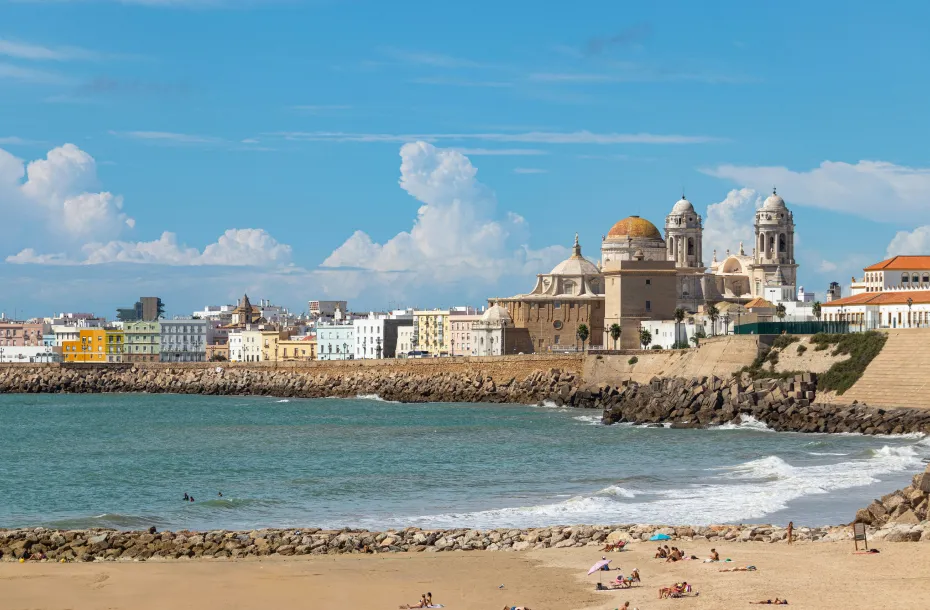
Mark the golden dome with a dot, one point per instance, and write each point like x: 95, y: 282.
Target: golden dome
x: 634, y: 226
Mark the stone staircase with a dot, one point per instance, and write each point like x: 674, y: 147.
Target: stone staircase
x: 900, y: 375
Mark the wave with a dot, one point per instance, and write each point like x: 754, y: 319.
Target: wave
x: 746, y: 491
x: 548, y: 404
x: 109, y: 521
x: 748, y: 422
x: 594, y: 420
x: 374, y: 397
x: 825, y: 453
x: 283, y: 400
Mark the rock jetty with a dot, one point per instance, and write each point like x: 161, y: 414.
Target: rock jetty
x: 111, y: 545
x: 902, y: 514
x: 782, y: 404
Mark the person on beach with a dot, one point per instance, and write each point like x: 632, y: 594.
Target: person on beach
x: 516, y: 608
x: 429, y: 599
x: 714, y: 555
x: 186, y: 497
x: 192, y: 498
x: 421, y: 604
x: 674, y: 556
x: 661, y: 554
x: 768, y: 602
x: 220, y: 493
x: 790, y: 531
x: 746, y: 569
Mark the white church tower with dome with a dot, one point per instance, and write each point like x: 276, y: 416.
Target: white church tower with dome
x: 773, y: 259
x: 684, y: 238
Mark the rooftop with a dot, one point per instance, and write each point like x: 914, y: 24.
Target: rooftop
x: 901, y: 262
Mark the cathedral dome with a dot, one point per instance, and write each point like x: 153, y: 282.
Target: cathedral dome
x: 683, y: 206
x: 496, y: 314
x: 575, y: 264
x: 774, y: 202
x: 634, y: 226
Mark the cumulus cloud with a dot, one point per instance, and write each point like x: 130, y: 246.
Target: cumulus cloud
x: 62, y: 189
x: 876, y: 190
x: 455, y: 234
x: 236, y: 247
x: 910, y: 242
x: 730, y: 222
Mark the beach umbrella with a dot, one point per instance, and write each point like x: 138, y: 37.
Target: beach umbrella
x: 598, y: 568
x: 659, y: 537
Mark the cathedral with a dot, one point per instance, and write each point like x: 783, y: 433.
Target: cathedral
x: 644, y: 275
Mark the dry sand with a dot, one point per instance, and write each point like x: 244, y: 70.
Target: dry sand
x: 813, y: 575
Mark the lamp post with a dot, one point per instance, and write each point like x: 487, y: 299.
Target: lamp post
x: 910, y: 302
x: 345, y: 353
x: 726, y: 324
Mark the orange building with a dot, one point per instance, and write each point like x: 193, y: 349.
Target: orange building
x: 91, y: 346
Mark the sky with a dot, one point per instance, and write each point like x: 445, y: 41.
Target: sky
x: 430, y: 154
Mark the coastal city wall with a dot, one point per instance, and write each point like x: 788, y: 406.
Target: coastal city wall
x: 716, y: 356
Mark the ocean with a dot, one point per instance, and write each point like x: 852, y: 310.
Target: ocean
x: 125, y: 461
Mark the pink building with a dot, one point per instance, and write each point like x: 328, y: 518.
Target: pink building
x: 20, y: 334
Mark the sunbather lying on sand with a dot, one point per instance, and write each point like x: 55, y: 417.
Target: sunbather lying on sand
x: 614, y: 546
x: 676, y: 590
x: 516, y: 608
x: 420, y: 604
x: 746, y: 569
x: 777, y: 602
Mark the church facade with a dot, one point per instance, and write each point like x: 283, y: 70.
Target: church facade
x: 643, y: 274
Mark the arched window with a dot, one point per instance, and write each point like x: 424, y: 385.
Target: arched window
x: 690, y: 246
x: 762, y: 243
x: 926, y: 278
x: 914, y: 278
x: 904, y: 278
x: 782, y: 243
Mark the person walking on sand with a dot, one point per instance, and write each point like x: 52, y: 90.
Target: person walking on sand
x: 790, y: 532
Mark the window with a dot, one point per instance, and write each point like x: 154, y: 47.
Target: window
x: 557, y: 304
x: 904, y: 278
x: 648, y: 305
x: 555, y: 340
x: 914, y: 278
x: 649, y: 282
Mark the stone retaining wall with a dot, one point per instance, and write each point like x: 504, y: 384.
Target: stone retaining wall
x: 901, y: 511
x: 111, y: 545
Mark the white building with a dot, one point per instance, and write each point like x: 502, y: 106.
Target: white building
x: 489, y: 333
x: 404, y: 341
x: 235, y: 346
x: 894, y: 274
x: 28, y: 353
x: 376, y: 335
x: 252, y: 344
x: 220, y: 313
x: 335, y: 341
x: 666, y: 333
x: 894, y: 293
x: 183, y: 340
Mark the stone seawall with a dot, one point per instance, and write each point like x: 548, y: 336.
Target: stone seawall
x: 787, y: 405
x: 112, y: 545
x: 495, y: 381
x: 902, y: 514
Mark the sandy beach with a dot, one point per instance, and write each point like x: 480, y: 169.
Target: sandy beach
x: 812, y: 575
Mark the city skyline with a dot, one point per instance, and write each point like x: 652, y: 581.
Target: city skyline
x: 293, y: 151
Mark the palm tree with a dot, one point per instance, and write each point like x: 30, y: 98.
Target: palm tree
x: 713, y: 313
x: 815, y: 309
x: 780, y: 312
x: 645, y: 337
x: 615, y: 331
x: 583, y: 334
x: 679, y: 317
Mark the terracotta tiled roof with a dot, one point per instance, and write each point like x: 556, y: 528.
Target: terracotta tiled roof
x: 759, y: 302
x: 634, y: 226
x: 900, y: 263
x: 883, y: 298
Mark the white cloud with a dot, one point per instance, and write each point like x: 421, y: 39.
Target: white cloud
x: 529, y: 170
x: 876, y: 190
x: 536, y: 137
x: 167, y: 137
x: 730, y: 222
x: 910, y: 242
x: 454, y: 236
x: 236, y: 247
x: 60, y: 191
x: 827, y: 266
x: 31, y: 75
x: 23, y: 50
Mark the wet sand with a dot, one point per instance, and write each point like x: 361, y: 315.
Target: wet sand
x: 811, y: 575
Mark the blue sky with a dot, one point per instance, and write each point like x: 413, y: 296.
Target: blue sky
x: 426, y: 153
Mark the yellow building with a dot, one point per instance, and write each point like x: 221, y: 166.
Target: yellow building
x: 290, y: 350
x: 90, y: 347
x: 431, y: 332
x: 115, y: 343
x: 269, y: 343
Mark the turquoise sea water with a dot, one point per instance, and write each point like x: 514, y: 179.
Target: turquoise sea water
x: 126, y: 460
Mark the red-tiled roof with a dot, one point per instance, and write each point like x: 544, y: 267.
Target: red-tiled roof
x: 901, y: 262
x: 883, y: 298
x: 758, y: 302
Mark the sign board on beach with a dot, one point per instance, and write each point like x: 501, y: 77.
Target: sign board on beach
x: 859, y: 535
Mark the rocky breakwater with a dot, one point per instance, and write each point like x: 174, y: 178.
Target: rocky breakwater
x: 110, y: 545
x: 782, y: 404
x: 402, y: 384
x: 901, y: 516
